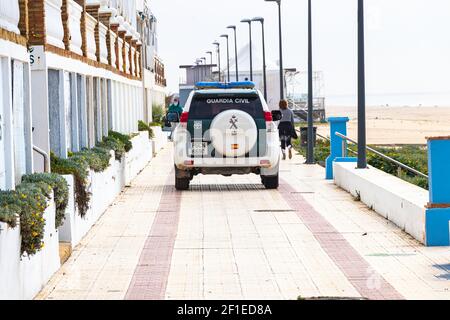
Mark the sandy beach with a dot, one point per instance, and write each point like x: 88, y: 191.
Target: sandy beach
x: 396, y: 125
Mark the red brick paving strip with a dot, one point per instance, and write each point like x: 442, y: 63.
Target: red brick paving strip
x: 350, y: 262
x: 150, y: 277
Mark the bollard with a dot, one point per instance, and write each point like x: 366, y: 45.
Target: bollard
x: 337, y: 124
x: 438, y: 209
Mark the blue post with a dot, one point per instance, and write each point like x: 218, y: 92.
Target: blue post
x: 438, y: 209
x: 337, y: 124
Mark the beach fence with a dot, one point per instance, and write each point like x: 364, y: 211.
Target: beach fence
x: 423, y: 214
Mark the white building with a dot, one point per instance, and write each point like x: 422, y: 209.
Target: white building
x: 83, y: 76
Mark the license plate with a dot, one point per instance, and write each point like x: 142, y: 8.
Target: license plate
x: 199, y: 148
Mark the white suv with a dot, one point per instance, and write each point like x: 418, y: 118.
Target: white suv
x: 226, y: 129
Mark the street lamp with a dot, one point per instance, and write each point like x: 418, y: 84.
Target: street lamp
x: 204, y: 68
x: 362, y: 152
x: 260, y: 19
x: 310, y: 153
x: 211, y: 54
x: 251, y: 49
x: 235, y: 51
x: 218, y: 58
x: 228, y: 55
x: 281, y: 49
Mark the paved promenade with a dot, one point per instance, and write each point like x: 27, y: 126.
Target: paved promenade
x: 229, y: 238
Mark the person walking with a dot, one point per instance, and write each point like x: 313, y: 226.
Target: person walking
x: 286, y: 129
x: 175, y: 108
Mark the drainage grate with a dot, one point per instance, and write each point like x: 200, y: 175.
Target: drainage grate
x: 303, y: 192
x: 275, y: 210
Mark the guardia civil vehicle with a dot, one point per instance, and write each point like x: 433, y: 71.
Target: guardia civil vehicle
x: 226, y: 129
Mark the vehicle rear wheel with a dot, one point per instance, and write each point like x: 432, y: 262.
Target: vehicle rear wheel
x: 271, y: 182
x: 182, y: 183
x: 182, y: 180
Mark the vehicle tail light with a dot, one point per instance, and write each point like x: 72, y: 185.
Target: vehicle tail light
x: 264, y: 162
x: 184, y: 117
x: 269, y: 121
x: 189, y: 162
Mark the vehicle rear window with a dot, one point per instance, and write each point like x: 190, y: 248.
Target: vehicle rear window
x: 209, y: 106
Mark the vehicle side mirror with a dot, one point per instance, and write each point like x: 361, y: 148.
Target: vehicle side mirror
x: 276, y: 115
x: 173, y: 117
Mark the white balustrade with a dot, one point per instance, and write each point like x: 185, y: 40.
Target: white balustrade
x: 133, y: 59
x: 53, y: 23
x: 127, y: 57
x: 120, y: 57
x: 112, y: 53
x: 75, y: 12
x: 90, y: 37
x: 103, y: 30
x: 10, y: 15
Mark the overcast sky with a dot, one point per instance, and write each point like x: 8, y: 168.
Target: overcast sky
x: 407, y: 42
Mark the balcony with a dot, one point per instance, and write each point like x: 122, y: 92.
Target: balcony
x: 10, y: 15
x: 75, y: 11
x: 53, y: 23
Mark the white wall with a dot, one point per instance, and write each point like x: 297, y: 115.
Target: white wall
x: 394, y: 199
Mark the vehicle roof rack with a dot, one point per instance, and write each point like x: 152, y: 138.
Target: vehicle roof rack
x: 222, y: 85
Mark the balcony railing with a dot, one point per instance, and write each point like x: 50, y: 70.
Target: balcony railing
x: 127, y: 57
x: 53, y: 23
x: 120, y: 51
x: 91, y: 45
x: 103, y: 30
x: 74, y: 23
x: 112, y: 52
x: 10, y: 15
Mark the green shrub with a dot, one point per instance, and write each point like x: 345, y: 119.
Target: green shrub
x: 60, y: 191
x: 79, y: 168
x: 113, y: 144
x: 8, y: 214
x: 146, y: 127
x: 122, y: 138
x: 29, y: 202
x: 158, y: 114
x: 97, y: 158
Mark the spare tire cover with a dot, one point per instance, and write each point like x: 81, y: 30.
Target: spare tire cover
x: 233, y: 133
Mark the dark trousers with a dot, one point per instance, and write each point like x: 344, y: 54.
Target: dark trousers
x: 285, y: 129
x: 286, y: 142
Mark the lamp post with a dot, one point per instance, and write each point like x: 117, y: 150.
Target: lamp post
x: 203, y: 68
x: 310, y: 153
x: 281, y: 49
x: 362, y: 152
x: 211, y: 54
x: 250, y: 43
x: 260, y: 19
x: 235, y: 51
x: 218, y: 59
x: 228, y: 55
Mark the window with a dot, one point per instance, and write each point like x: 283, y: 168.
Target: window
x: 208, y: 106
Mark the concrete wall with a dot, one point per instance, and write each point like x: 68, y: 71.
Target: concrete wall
x: 22, y: 277
x: 394, y: 199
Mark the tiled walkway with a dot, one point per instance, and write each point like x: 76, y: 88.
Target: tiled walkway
x: 229, y: 238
